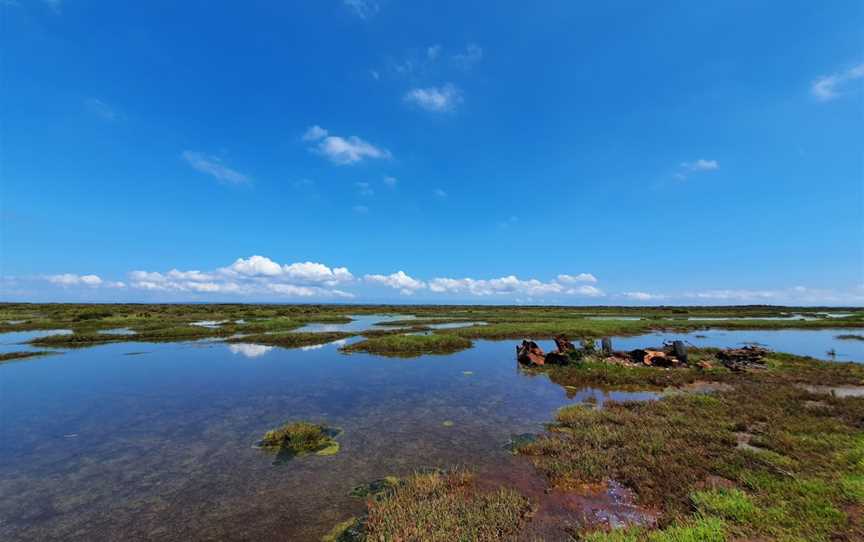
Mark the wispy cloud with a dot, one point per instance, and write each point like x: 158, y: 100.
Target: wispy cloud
x: 698, y: 166
x: 433, y: 52
x: 391, y: 181
x: 641, y: 296
x: 440, y: 193
x: 213, y: 166
x: 361, y: 209
x: 91, y: 281
x: 363, y: 9
x: 466, y: 59
x: 581, y: 277
x: 364, y: 189
x: 55, y: 5
x: 436, y: 99
x: 102, y: 110
x: 314, y: 133
x: 829, y: 87
x: 342, y: 151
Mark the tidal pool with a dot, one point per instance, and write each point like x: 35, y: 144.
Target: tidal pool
x: 803, y: 342
x: 98, y: 444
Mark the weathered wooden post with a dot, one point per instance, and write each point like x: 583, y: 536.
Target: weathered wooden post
x: 606, y: 346
x: 680, y: 350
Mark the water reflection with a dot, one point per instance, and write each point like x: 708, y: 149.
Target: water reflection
x: 249, y: 350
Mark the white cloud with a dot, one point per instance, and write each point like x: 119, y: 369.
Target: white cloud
x: 698, y: 166
x: 360, y: 209
x: 102, y: 110
x: 55, y: 5
x: 440, y: 193
x: 69, y: 279
x: 391, y: 181
x: 586, y: 291
x: 436, y: 99
x: 255, y: 275
x: 433, y: 52
x: 472, y: 55
x: 314, y: 133
x: 362, y: 8
x: 343, y: 151
x: 398, y: 280
x: 829, y: 87
x: 581, y: 277
x: 256, y: 265
x: 213, y: 166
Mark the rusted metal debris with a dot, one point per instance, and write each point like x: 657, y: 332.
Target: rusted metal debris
x: 671, y: 354
x: 563, y: 345
x: 529, y: 353
x: 741, y: 359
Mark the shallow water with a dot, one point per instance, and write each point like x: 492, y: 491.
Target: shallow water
x: 361, y: 322
x: 17, y: 340
x: 803, y: 342
x: 99, y: 444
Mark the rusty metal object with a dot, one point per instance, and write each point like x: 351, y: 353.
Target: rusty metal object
x: 742, y: 359
x: 563, y: 345
x: 529, y: 353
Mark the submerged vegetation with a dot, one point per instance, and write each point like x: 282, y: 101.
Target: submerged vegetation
x: 409, y: 345
x: 441, y: 507
x: 11, y: 356
x: 299, y: 438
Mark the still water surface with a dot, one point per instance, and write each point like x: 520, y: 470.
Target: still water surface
x: 135, y: 440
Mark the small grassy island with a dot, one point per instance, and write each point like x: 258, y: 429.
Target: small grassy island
x: 408, y: 346
x: 299, y: 438
x: 11, y: 356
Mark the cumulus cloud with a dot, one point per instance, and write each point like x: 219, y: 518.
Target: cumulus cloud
x: 363, y: 9
x: 340, y: 150
x: 213, y: 166
x: 255, y: 275
x: 398, y: 280
x: 509, y: 285
x: 435, y: 99
x: 68, y: 279
x: 829, y: 87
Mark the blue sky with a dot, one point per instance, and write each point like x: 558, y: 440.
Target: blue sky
x: 471, y: 152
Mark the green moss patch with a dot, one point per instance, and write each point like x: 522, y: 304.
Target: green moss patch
x: 299, y: 438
